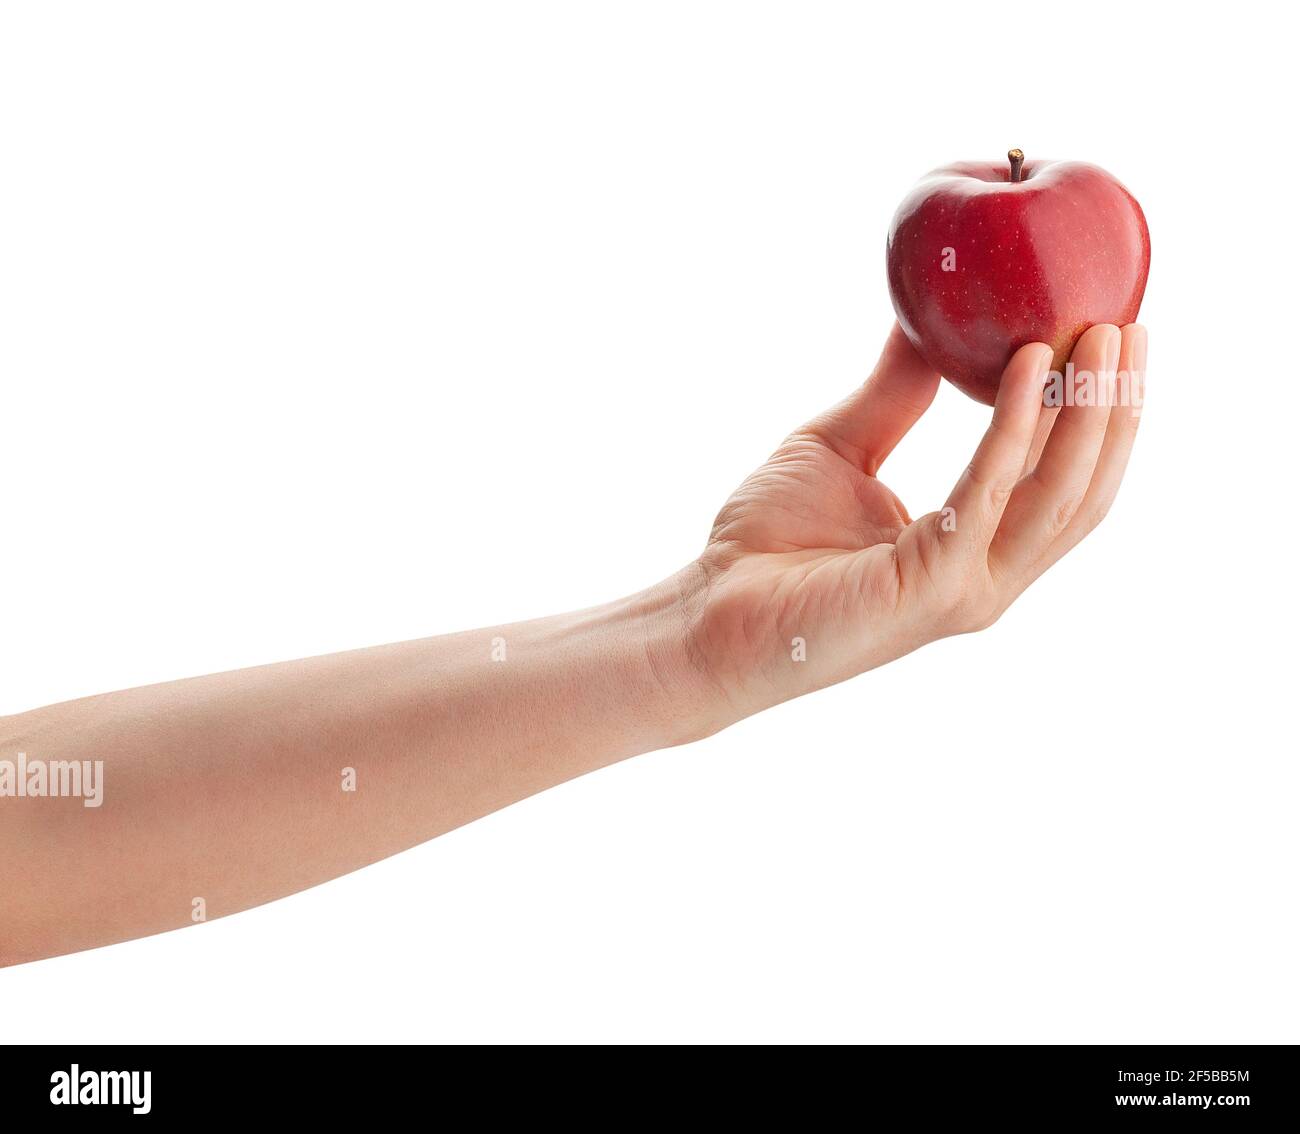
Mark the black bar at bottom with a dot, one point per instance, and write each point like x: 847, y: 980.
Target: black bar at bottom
x: 1220, y: 1085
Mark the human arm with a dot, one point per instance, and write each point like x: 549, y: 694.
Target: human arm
x: 230, y: 789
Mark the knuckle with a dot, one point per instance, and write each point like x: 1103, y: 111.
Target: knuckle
x: 996, y: 489
x: 1094, y: 519
x: 990, y: 484
x: 999, y: 494
x: 983, y: 616
x: 1064, y: 512
x: 1099, y: 513
x: 972, y: 606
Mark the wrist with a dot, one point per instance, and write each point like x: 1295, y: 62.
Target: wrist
x: 685, y: 700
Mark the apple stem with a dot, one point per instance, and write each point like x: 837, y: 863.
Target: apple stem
x: 1017, y: 159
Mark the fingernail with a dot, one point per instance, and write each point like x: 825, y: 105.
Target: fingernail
x: 1139, y: 348
x: 1138, y: 379
x: 1045, y: 362
x: 1045, y: 374
x: 1113, y: 340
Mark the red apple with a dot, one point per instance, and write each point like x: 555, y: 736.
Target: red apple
x: 984, y: 257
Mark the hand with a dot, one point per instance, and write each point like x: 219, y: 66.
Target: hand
x: 814, y: 570
x: 812, y: 558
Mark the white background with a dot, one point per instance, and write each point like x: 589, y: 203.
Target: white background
x: 324, y: 325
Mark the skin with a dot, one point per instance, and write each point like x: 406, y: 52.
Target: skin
x: 229, y: 787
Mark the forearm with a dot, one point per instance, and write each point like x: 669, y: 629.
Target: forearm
x: 235, y: 788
